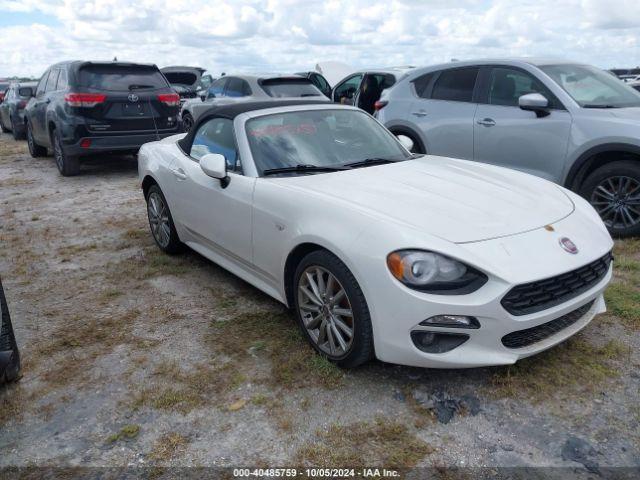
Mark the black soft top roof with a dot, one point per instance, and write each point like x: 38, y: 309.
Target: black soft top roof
x: 232, y: 110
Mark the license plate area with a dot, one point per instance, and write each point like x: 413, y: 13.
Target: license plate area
x: 134, y: 109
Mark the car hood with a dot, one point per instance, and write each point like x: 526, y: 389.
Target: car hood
x: 629, y: 113
x: 456, y: 200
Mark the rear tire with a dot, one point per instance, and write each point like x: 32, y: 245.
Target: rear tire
x: 68, y: 165
x: 34, y: 149
x: 17, y: 134
x: 187, y: 122
x: 322, y: 317
x: 161, y: 223
x: 614, y: 191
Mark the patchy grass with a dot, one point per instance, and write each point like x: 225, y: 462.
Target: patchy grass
x: 383, y: 443
x: 168, y: 446
x: 79, y: 341
x: 294, y: 363
x: 148, y: 263
x: 623, y: 300
x: 559, y: 371
x: 127, y: 432
x: 202, y: 385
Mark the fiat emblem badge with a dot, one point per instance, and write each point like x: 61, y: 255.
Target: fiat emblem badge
x: 568, y: 245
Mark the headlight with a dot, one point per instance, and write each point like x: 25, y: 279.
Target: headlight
x: 434, y: 273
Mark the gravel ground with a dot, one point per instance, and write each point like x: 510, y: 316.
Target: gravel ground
x: 134, y: 358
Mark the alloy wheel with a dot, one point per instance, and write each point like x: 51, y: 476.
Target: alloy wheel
x: 617, y: 200
x: 159, y: 219
x: 187, y: 123
x: 326, y: 311
x: 57, y: 152
x: 30, y: 140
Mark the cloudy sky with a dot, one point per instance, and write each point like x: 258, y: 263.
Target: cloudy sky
x: 292, y: 35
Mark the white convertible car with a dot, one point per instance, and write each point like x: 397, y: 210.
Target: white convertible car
x: 416, y: 260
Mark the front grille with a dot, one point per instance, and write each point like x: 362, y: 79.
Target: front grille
x: 542, y: 294
x: 529, y: 336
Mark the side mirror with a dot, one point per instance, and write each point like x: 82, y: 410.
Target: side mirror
x: 405, y: 141
x: 534, y: 102
x: 215, y: 166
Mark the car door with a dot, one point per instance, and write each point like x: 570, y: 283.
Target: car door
x: 508, y: 136
x: 216, y: 89
x: 38, y: 109
x: 444, y: 112
x: 345, y: 91
x: 217, y: 218
x: 320, y: 82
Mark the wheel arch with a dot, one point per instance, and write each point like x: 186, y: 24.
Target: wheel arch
x: 596, y: 157
x: 147, y: 182
x: 291, y: 264
x: 410, y: 132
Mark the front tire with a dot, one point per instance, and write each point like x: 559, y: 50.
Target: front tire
x: 614, y: 191
x: 34, y: 149
x: 68, y: 165
x: 161, y: 223
x: 331, y: 310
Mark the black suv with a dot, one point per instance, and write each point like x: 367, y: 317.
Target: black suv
x: 9, y: 356
x: 81, y: 108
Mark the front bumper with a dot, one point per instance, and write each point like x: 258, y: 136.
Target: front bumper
x: 396, y: 311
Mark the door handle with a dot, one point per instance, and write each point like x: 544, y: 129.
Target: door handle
x: 420, y: 113
x: 179, y: 173
x: 487, y: 122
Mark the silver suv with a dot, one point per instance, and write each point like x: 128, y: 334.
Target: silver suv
x: 573, y: 124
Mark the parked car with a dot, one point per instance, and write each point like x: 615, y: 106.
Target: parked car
x: 418, y: 260
x: 319, y: 81
x: 83, y: 108
x: 188, y: 82
x: 363, y: 89
x: 4, y: 85
x: 635, y: 84
x: 573, y: 124
x: 234, y: 88
x: 9, y: 354
x: 12, y: 108
x: 626, y: 74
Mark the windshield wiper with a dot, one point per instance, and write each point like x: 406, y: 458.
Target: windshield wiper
x: 303, y: 168
x: 595, y: 105
x: 370, y: 161
x: 139, y: 87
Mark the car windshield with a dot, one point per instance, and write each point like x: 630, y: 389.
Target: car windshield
x: 591, y: 87
x: 319, y: 138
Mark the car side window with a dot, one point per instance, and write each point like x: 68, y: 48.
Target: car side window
x: 51, y: 81
x: 216, y: 136
x: 348, y: 88
x: 236, y: 87
x: 62, y: 80
x: 507, y: 85
x: 320, y: 82
x: 217, y: 88
x: 455, y: 85
x: 42, y: 84
x: 421, y: 83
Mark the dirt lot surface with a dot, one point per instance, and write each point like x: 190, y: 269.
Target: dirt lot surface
x: 134, y: 358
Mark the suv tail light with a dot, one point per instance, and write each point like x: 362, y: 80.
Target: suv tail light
x: 380, y: 104
x: 1, y: 96
x: 170, y: 99
x: 84, y: 99
x: 22, y: 104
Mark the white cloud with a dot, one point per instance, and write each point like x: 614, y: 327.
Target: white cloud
x: 290, y: 35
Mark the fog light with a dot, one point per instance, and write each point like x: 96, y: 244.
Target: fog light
x: 85, y: 143
x: 436, y: 342
x: 451, y: 321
